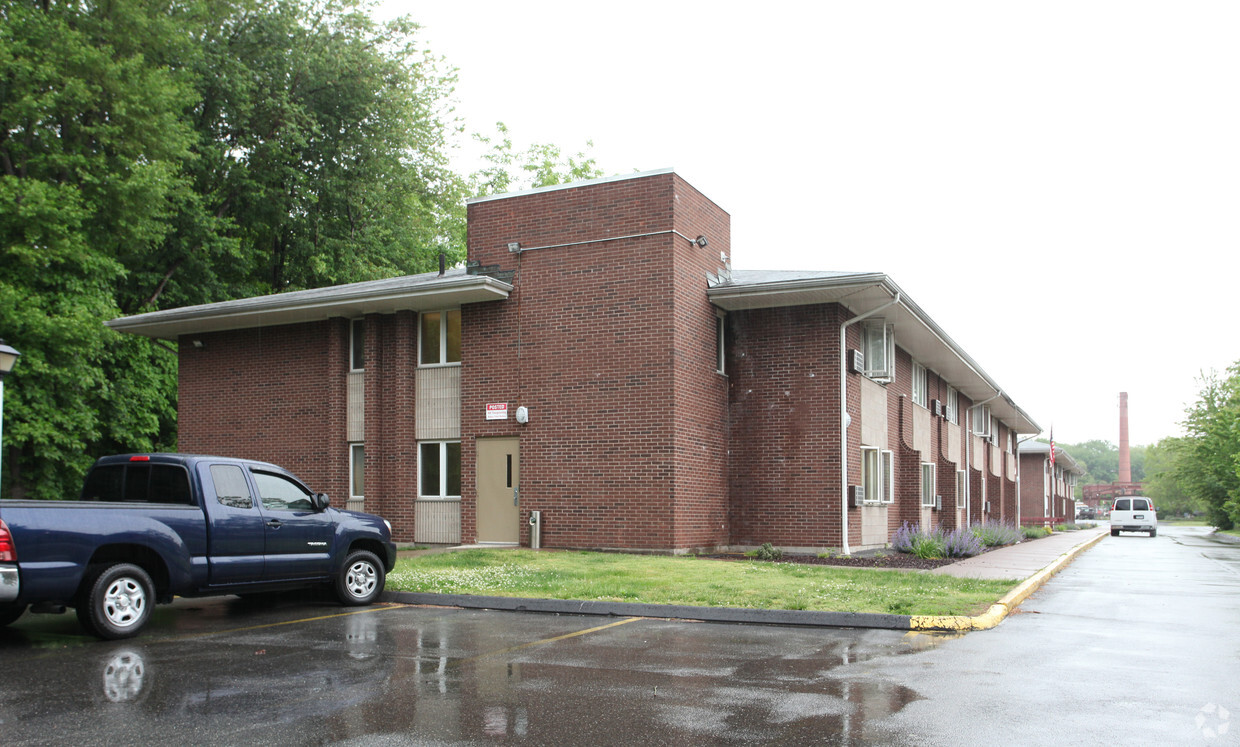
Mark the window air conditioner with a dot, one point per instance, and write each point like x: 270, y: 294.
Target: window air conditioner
x: 858, y: 494
x: 938, y: 503
x: 856, y: 362
x: 936, y: 407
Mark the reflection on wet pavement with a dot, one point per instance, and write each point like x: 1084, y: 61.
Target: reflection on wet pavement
x: 392, y: 673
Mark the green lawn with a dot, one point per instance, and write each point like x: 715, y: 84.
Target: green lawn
x: 658, y: 579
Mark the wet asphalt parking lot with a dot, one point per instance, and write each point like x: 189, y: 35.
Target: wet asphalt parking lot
x: 1137, y: 642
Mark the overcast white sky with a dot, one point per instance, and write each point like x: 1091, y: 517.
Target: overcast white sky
x: 1057, y: 184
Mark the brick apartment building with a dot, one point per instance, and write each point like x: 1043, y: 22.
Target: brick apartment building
x: 1047, y: 491
x: 599, y: 362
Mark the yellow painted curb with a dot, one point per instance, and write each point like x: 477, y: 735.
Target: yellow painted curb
x: 1002, y: 608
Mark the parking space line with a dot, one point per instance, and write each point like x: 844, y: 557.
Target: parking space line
x: 365, y: 610
x: 545, y: 641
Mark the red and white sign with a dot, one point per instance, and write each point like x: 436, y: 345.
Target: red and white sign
x: 497, y: 411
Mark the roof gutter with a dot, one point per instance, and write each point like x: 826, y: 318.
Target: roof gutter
x: 845, y: 418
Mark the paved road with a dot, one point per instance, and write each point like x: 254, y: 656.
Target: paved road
x: 1128, y: 645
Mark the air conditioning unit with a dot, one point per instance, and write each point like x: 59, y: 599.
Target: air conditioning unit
x: 986, y: 507
x: 856, y: 361
x: 857, y: 492
x: 938, y: 503
x: 936, y: 406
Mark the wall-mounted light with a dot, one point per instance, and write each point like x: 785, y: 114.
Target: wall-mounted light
x: 199, y: 344
x: 701, y: 241
x: 523, y: 415
x: 514, y: 246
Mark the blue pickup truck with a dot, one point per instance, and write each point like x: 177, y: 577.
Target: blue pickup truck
x: 148, y: 527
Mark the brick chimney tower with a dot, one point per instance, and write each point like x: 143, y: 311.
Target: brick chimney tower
x: 1125, y: 463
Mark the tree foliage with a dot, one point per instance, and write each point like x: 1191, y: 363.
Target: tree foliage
x: 1205, y: 463
x: 156, y: 155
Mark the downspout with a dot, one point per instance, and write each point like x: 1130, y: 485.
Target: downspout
x: 968, y: 459
x: 845, y: 419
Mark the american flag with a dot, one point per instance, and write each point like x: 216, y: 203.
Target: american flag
x: 1052, y: 446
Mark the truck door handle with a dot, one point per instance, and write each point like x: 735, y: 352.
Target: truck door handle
x: 274, y: 523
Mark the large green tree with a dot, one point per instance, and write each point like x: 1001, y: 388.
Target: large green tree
x: 156, y: 154
x: 1207, y: 460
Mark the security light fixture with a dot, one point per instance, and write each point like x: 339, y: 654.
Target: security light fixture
x: 700, y: 241
x: 8, y: 357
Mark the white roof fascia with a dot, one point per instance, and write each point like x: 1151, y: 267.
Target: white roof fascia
x: 407, y: 293
x: 916, y: 332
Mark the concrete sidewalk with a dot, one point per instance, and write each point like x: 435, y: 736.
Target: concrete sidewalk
x: 1035, y: 561
x: 1024, y: 559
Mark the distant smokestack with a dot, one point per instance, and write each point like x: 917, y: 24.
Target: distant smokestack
x: 1125, y: 464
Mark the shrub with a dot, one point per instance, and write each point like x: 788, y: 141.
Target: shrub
x: 961, y: 543
x: 994, y: 533
x: 935, y: 543
x: 768, y: 552
x: 1032, y: 533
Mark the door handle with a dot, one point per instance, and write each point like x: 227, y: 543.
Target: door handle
x: 516, y: 495
x: 274, y: 523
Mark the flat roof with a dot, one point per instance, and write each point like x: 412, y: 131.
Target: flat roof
x: 861, y: 293
x: 425, y: 292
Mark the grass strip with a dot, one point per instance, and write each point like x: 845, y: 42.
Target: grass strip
x: 702, y: 582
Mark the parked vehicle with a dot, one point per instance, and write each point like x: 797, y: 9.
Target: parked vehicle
x: 1135, y: 514
x: 148, y: 527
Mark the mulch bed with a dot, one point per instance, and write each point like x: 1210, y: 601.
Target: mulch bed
x: 892, y: 560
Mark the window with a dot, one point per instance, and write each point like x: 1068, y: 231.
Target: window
x: 439, y: 466
x: 953, y: 406
x: 441, y: 338
x: 927, y: 485
x: 357, y: 345
x: 877, y: 475
x: 231, y: 489
x: 981, y: 420
x: 279, y: 493
x: 138, y: 483
x: 879, y: 346
x: 920, y: 397
x: 889, y: 477
x: 357, y: 470
x: 961, y: 476
x: 719, y: 348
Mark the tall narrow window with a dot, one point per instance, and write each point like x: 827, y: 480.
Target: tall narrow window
x: 440, y: 337
x: 719, y: 349
x: 953, y: 406
x: 439, y: 466
x: 889, y: 477
x: 927, y: 484
x: 879, y: 346
x: 919, y: 385
x: 357, y: 470
x: 961, y: 476
x: 357, y: 345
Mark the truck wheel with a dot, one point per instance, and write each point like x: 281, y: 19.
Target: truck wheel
x: 10, y: 612
x: 118, y: 603
x: 361, y: 580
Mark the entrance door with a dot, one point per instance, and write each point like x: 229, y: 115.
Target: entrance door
x: 498, y: 475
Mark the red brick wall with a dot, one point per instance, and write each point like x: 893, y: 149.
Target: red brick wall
x: 610, y: 344
x: 276, y: 394
x: 783, y: 372
x: 391, y: 443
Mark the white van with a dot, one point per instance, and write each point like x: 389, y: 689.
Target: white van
x: 1133, y: 514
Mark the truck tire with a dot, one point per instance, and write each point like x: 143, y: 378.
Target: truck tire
x: 361, y: 580
x: 10, y: 612
x: 118, y: 603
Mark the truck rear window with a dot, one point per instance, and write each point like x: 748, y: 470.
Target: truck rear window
x: 138, y: 483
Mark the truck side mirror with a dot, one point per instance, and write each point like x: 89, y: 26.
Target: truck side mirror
x: 321, y: 501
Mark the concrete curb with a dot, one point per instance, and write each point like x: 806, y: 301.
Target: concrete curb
x: 803, y: 618
x: 1001, y: 609
x: 669, y: 611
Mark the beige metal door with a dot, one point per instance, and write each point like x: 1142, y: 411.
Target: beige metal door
x: 498, y: 475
